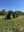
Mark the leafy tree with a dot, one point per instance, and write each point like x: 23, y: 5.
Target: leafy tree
x: 3, y: 12
x: 10, y: 11
x: 18, y: 12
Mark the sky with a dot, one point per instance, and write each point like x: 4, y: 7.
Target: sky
x: 12, y: 5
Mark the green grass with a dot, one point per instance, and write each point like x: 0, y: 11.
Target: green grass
x: 18, y: 24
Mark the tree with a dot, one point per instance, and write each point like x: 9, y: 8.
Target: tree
x: 10, y: 11
x: 3, y: 12
x: 18, y: 12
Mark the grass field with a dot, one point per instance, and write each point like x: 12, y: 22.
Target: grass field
x: 17, y: 24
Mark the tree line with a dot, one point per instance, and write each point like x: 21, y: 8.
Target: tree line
x: 4, y: 12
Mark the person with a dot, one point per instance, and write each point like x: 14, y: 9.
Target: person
x: 13, y: 15
x: 8, y: 16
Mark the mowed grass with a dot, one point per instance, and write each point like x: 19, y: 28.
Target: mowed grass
x: 17, y: 23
